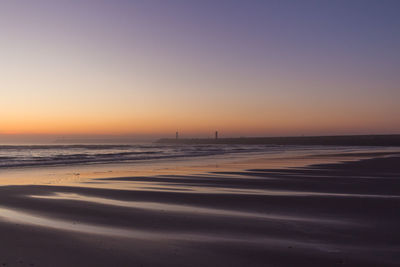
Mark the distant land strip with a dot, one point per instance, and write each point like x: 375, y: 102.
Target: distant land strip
x: 343, y: 140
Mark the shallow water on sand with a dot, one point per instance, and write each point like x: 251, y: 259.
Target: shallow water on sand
x: 245, y: 209
x: 227, y: 159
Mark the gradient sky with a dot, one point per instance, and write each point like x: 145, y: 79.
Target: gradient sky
x: 246, y: 68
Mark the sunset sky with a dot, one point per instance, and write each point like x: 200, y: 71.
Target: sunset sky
x: 246, y: 68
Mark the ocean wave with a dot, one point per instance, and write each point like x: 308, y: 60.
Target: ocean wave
x: 53, y: 155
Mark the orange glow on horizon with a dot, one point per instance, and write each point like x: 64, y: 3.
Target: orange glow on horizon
x: 85, y: 69
x: 229, y: 124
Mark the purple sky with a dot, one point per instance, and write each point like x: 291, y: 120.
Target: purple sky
x: 244, y: 67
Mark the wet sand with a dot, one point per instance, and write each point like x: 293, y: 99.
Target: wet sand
x: 334, y: 214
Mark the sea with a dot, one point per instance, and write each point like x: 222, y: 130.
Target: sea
x: 21, y: 156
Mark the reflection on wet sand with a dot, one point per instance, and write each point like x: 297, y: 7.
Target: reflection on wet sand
x: 323, y: 213
x: 161, y: 207
x: 31, y: 219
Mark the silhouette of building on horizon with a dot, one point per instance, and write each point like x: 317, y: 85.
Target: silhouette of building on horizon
x: 216, y: 134
x: 176, y: 135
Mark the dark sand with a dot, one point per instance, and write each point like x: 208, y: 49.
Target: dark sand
x: 344, y: 214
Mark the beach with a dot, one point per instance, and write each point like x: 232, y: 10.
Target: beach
x: 318, y: 209
x: 199, y: 133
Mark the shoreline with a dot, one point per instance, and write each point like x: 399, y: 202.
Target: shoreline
x: 77, y: 175
x: 321, y: 214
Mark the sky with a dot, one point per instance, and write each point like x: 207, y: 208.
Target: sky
x: 244, y: 68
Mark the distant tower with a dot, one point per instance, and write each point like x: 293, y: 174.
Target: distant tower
x: 176, y: 135
x: 216, y: 134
